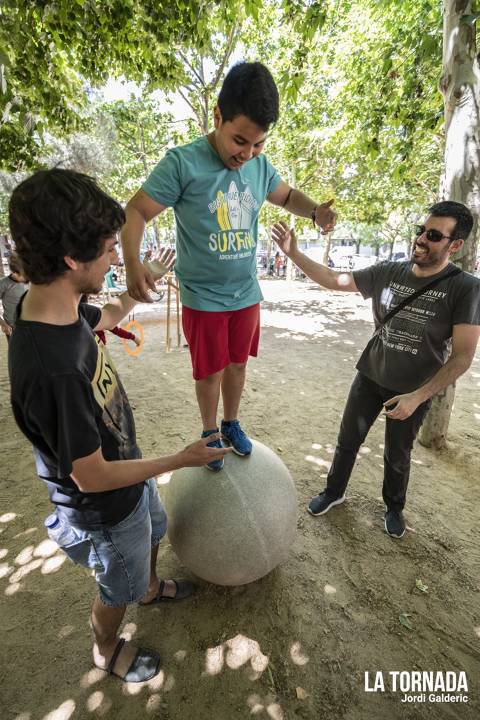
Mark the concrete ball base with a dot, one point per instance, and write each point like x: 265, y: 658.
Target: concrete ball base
x: 234, y: 526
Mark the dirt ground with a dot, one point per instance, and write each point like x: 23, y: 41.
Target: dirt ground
x: 296, y: 644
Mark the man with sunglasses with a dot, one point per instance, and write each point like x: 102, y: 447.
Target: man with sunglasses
x: 405, y: 362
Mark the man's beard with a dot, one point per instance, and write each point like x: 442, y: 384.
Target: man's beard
x: 86, y: 288
x: 428, y: 259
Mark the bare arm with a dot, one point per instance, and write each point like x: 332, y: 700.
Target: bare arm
x: 296, y: 202
x: 95, y: 474
x: 330, y: 279
x: 139, y: 211
x: 114, y: 311
x: 464, y: 343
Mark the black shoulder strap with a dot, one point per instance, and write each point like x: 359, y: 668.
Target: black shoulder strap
x: 416, y: 294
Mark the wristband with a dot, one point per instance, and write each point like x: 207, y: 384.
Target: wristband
x: 313, y: 216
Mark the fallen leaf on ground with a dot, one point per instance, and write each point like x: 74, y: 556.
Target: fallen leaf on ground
x: 420, y: 586
x: 404, y: 620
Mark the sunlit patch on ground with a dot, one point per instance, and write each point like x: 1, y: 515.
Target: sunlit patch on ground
x: 29, y: 531
x: 7, y: 517
x: 65, y: 631
x: 234, y: 653
x: 63, y: 712
x: 258, y: 705
x: 92, y: 677
x: 154, y: 703
x: 180, y: 656
x: 5, y: 569
x: 318, y: 461
x: 53, y: 564
x: 98, y: 703
x: 297, y: 655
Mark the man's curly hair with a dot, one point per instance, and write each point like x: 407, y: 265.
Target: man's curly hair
x: 58, y: 212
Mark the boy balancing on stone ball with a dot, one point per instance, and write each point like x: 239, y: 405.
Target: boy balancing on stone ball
x: 216, y: 186
x: 418, y: 307
x: 69, y: 402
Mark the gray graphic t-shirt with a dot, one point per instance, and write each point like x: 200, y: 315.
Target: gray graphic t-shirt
x: 413, y: 345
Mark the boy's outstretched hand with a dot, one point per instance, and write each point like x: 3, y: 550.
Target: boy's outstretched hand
x: 285, y: 238
x: 325, y: 217
x: 161, y: 263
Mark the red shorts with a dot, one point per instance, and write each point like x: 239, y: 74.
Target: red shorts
x: 217, y: 339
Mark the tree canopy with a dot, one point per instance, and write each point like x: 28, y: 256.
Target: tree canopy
x: 49, y: 50
x: 361, y: 116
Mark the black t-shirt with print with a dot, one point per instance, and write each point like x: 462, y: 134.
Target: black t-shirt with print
x: 68, y: 400
x: 413, y: 345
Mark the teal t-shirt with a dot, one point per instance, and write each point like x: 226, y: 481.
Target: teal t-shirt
x: 216, y: 212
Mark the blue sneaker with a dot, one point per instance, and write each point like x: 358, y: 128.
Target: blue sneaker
x: 233, y: 433
x: 215, y: 465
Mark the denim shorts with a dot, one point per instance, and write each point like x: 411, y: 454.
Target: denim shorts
x: 120, y: 555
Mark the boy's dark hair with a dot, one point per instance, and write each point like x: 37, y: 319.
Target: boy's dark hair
x: 460, y: 213
x: 58, y: 212
x: 14, y: 265
x: 249, y: 89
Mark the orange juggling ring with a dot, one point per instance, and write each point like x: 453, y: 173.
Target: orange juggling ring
x: 138, y: 349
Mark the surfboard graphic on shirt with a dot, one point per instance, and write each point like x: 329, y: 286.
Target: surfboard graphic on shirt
x: 222, y: 212
x: 234, y: 209
x: 247, y: 203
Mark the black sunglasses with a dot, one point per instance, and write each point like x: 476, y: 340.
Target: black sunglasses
x: 432, y: 235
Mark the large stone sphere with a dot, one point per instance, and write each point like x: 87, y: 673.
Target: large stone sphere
x: 234, y: 526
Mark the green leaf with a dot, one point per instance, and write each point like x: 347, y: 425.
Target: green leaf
x: 404, y: 620
x: 420, y: 586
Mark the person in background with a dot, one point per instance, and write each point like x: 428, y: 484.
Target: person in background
x: 12, y: 288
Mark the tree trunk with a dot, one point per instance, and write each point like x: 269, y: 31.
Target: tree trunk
x: 460, y: 85
x: 435, y: 427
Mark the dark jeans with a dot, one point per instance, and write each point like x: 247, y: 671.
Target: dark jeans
x: 364, y: 403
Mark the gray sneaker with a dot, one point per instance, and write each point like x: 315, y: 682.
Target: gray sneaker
x: 321, y: 504
x: 395, y: 523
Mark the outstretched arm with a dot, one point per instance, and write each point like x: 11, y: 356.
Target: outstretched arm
x: 114, y: 312
x: 330, y: 279
x: 464, y: 343
x: 93, y: 473
x: 296, y: 202
x: 140, y: 210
